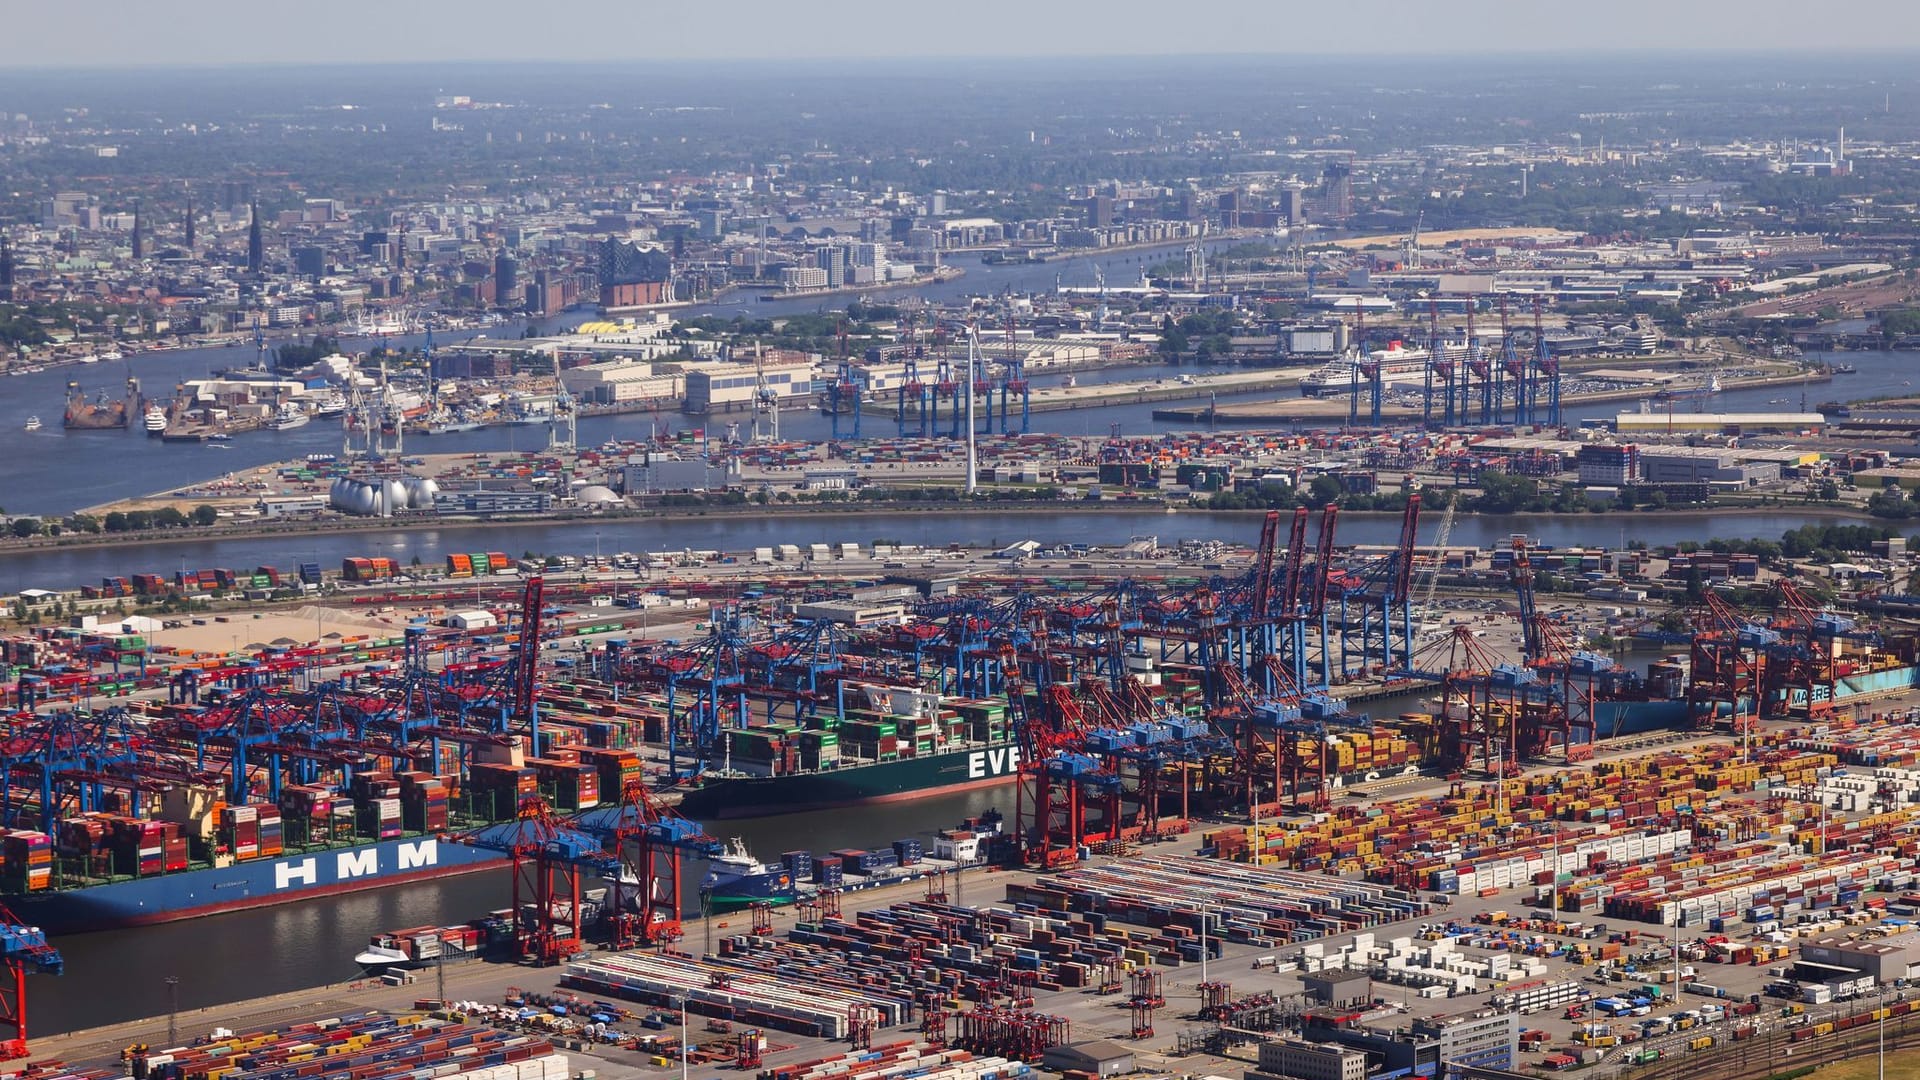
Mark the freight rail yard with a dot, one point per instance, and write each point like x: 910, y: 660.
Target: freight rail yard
x: 1216, y: 857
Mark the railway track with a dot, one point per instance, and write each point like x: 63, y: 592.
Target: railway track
x: 1773, y: 1052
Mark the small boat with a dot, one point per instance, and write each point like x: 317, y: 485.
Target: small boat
x: 219, y: 437
x: 33, y: 423
x: 1845, y: 369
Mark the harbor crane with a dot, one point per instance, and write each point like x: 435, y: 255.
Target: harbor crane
x: 24, y: 950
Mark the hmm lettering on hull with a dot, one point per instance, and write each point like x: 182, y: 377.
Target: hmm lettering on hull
x: 987, y: 764
x: 316, y: 870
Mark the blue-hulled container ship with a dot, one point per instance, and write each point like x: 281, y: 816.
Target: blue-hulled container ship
x: 211, y: 890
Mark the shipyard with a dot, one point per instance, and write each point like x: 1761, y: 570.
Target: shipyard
x: 1274, y: 543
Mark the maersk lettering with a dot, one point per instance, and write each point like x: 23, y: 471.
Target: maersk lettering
x: 986, y: 764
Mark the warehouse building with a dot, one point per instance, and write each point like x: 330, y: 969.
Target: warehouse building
x: 1097, y: 1058
x: 1885, y: 959
x: 1691, y: 423
x: 1703, y: 465
x: 652, y: 473
x: 616, y: 382
x: 730, y: 387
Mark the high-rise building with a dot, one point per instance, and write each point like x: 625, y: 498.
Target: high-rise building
x: 1099, y: 210
x: 506, y: 276
x: 1337, y: 191
x: 1293, y: 204
x: 310, y: 260
x: 833, y: 259
x: 6, y: 270
x: 235, y: 194
x: 189, y: 222
x: 256, y: 248
x: 138, y: 252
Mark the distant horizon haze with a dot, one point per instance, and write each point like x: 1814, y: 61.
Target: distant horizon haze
x: 216, y: 33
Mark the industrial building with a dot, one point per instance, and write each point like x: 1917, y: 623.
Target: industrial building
x: 730, y: 387
x: 1339, y: 988
x: 485, y: 502
x: 1298, y: 1059
x: 615, y: 382
x: 1609, y: 464
x: 1491, y: 1040
x: 1701, y: 465
x: 1096, y: 1058
x: 1885, y: 959
x: 1691, y: 423
x: 655, y: 472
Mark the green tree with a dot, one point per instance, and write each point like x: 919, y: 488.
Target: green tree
x: 25, y: 526
x: 1324, y: 490
x: 204, y: 515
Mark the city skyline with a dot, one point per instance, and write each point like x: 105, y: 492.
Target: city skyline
x: 230, y: 32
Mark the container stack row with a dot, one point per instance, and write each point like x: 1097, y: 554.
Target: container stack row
x: 903, y: 1059
x: 364, y: 1046
x: 776, y: 1002
x: 1256, y: 905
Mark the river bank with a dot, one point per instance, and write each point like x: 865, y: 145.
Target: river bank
x: 875, y: 513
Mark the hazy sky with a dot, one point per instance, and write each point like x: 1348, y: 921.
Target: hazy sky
x: 198, y: 32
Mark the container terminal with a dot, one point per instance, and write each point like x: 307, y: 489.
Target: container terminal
x: 1191, y: 767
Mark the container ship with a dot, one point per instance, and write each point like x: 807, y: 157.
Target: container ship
x: 901, y: 743
x: 101, y: 413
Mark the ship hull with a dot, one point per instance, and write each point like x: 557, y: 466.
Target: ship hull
x: 255, y: 883
x: 891, y: 781
x: 93, y: 421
